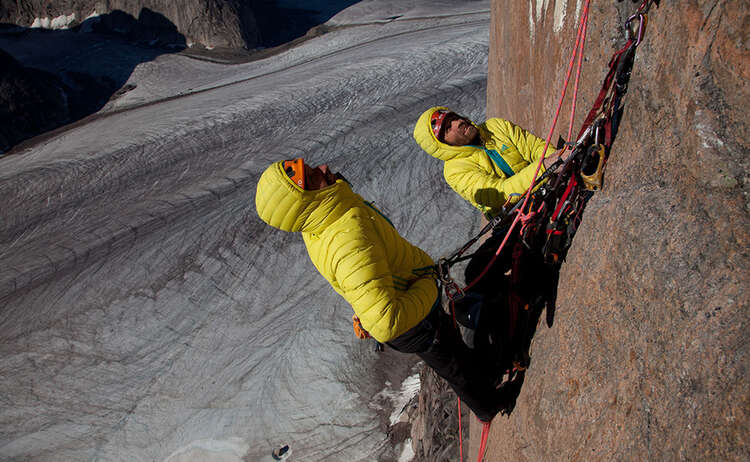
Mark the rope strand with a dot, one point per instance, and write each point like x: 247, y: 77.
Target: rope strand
x: 580, y: 40
x: 582, y: 27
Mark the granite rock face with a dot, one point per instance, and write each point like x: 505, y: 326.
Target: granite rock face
x: 210, y: 23
x: 434, y: 420
x: 648, y: 356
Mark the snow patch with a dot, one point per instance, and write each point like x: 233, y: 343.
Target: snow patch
x: 535, y: 16
x: 710, y: 139
x: 229, y: 450
x: 409, y: 389
x: 407, y: 452
x: 531, y: 22
x: 60, y: 22
x: 559, y: 13
x: 541, y: 5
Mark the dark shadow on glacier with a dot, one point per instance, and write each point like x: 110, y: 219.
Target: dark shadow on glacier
x: 50, y: 78
x: 281, y: 21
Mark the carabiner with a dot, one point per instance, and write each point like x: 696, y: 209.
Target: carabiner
x: 443, y: 269
x: 452, y: 290
x: 630, y: 31
x: 646, y: 5
x: 592, y: 168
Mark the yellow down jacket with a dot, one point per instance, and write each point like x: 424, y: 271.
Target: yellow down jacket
x: 387, y: 281
x: 471, y: 171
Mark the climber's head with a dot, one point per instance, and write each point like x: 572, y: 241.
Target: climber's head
x: 453, y: 129
x: 307, y: 177
x: 459, y: 131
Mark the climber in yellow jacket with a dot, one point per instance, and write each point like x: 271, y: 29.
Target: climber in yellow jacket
x: 388, y: 282
x: 487, y: 164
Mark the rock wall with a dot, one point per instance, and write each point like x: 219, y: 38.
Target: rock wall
x: 433, y: 417
x: 210, y: 23
x: 648, y: 356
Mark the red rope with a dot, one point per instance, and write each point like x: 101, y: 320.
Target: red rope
x: 579, y: 44
x: 483, y: 442
x: 580, y: 40
x: 578, y: 72
x: 582, y: 26
x: 460, y: 434
x: 460, y: 426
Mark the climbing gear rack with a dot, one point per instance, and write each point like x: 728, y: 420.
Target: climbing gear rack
x: 549, y: 217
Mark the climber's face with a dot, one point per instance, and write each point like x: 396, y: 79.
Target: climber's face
x: 318, y: 177
x: 460, y: 132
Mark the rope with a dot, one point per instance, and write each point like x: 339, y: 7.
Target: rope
x: 483, y: 442
x: 580, y: 38
x: 579, y: 44
x: 460, y: 434
x: 582, y: 28
x: 578, y: 73
x: 525, y: 218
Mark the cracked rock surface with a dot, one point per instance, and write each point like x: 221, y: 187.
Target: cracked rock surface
x: 648, y: 355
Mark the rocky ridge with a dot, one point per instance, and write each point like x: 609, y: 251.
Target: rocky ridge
x: 207, y: 23
x: 648, y: 355
x: 23, y: 93
x: 433, y: 418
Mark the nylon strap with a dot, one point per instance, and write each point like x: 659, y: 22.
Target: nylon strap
x: 605, y: 87
x: 500, y: 162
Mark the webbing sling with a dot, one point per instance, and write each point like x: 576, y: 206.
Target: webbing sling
x: 499, y: 161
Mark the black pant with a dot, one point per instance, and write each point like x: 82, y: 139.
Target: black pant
x: 514, y: 290
x: 438, y: 343
x: 494, y: 282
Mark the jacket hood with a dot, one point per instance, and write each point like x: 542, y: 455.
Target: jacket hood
x: 427, y: 140
x: 284, y: 205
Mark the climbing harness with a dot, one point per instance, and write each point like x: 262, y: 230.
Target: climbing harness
x: 549, y: 214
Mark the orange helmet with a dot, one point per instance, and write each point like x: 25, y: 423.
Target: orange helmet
x: 437, y: 121
x: 295, y: 169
